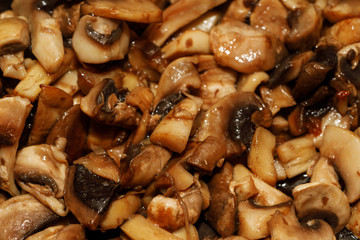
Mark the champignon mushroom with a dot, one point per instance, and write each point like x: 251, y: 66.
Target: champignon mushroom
x: 336, y: 11
x: 106, y: 105
x: 13, y: 111
x: 14, y: 35
x: 12, y: 65
x: 348, y: 64
x: 60, y: 232
x: 99, y: 40
x: 322, y: 201
x: 22, y: 215
x: 68, y: 17
x: 286, y: 226
x: 244, y: 48
x: 232, y: 119
x: 41, y: 170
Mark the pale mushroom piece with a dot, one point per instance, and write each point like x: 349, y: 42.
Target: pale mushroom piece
x: 189, y: 43
x: 342, y: 147
x: 271, y: 16
x: 248, y: 82
x: 187, y: 233
x: 14, y: 111
x: 286, y: 226
x: 244, y: 48
x: 353, y: 223
x: 22, y: 215
x: 336, y: 10
x: 204, y: 23
x: 277, y: 98
x: 176, y: 16
x: 68, y: 82
x: 12, y: 65
x: 295, y: 4
x: 7, y: 14
x: 46, y: 41
x: 14, y: 35
x: 324, y: 172
x: 141, y: 11
x: 181, y: 177
x: 60, y: 232
x: 99, y: 40
x: 318, y: 200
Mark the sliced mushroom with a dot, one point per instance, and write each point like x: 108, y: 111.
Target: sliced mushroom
x: 12, y: 65
x: 277, y: 98
x: 324, y: 172
x: 14, y: 35
x: 244, y: 48
x: 41, y: 170
x: 68, y: 82
x: 322, y: 201
x: 336, y: 11
x: 240, y: 10
x: 106, y: 105
x: 341, y: 146
x: 286, y: 226
x: 22, y: 215
x: 232, y: 119
x: 60, y: 232
x: 353, y: 224
x: 142, y: 11
x: 13, y: 111
x: 176, y: 16
x: 348, y: 64
x: 99, y: 40
x: 68, y: 17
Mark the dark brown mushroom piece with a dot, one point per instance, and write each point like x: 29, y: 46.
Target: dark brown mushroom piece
x: 107, y: 105
x: 348, y: 71
x: 68, y: 17
x: 222, y: 210
x: 14, y: 35
x: 90, y: 187
x: 23, y: 215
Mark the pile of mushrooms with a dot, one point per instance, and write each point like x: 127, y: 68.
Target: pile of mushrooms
x: 170, y: 119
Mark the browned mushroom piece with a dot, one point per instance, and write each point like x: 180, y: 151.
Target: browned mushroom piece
x: 348, y: 64
x: 222, y: 210
x: 51, y: 105
x: 60, y: 232
x: 305, y: 25
x: 232, y: 119
x: 176, y: 16
x: 14, y: 35
x: 12, y: 65
x: 142, y: 11
x: 271, y: 15
x: 99, y: 40
x: 240, y: 9
x: 68, y: 17
x: 336, y: 10
x: 244, y: 48
x: 90, y: 187
x: 287, y: 226
x: 107, y: 105
x: 41, y: 170
x: 22, y: 215
x: 13, y: 111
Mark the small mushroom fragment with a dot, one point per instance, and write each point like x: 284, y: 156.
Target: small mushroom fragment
x: 46, y: 41
x: 342, y: 147
x: 141, y: 11
x: 51, y: 105
x: 232, y: 119
x: 222, y: 210
x: 107, y: 105
x: 324, y: 172
x: 253, y: 218
x: 336, y: 11
x: 240, y: 10
x: 174, y: 130
x: 176, y: 16
x: 244, y: 48
x: 41, y: 170
x: 14, y: 35
x: 322, y: 201
x: 22, y: 215
x: 68, y: 82
x: 353, y: 224
x: 13, y: 112
x: 277, y: 98
x: 286, y: 226
x: 248, y: 82
x: 60, y: 232
x: 90, y: 187
x: 68, y: 17
x: 99, y: 40
x: 348, y: 64
x: 12, y: 65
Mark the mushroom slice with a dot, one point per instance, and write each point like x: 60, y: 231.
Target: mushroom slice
x: 240, y: 10
x: 14, y: 35
x: 52, y: 103
x: 99, y: 40
x: 286, y: 226
x: 277, y: 98
x: 68, y: 17
x: 106, y: 105
x: 322, y: 201
x: 253, y: 218
x: 342, y: 147
x: 71, y: 231
x: 12, y: 65
x: 353, y: 224
x: 46, y: 41
x: 141, y: 11
x: 244, y: 48
x: 348, y: 64
x: 324, y: 172
x: 176, y: 16
x: 232, y: 119
x: 87, y: 194
x: 306, y: 25
x: 13, y: 112
x: 336, y: 11
x: 22, y: 215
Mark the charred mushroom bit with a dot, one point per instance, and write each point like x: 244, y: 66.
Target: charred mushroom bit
x: 180, y: 119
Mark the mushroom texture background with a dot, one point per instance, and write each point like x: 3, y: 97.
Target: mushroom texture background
x: 180, y: 119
